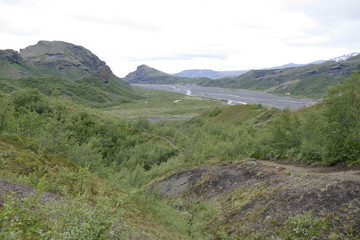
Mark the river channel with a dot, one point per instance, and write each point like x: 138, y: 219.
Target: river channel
x: 238, y: 96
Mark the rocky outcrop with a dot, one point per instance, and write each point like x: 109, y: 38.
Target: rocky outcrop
x: 11, y: 56
x: 102, y: 73
x: 139, y: 75
x: 145, y: 74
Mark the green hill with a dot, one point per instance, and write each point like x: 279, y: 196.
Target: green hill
x: 70, y: 172
x: 145, y: 74
x: 311, y: 80
x: 73, y: 172
x: 62, y: 69
x: 65, y: 60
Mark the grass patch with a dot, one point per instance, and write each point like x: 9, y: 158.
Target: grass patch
x: 156, y: 103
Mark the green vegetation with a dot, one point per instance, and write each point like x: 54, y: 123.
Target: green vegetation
x: 145, y: 74
x: 95, y: 168
x: 307, y: 81
x: 342, y: 113
x: 155, y: 103
x: 63, y: 69
x: 90, y: 92
x: 312, y: 80
x: 56, y: 147
x: 327, y: 133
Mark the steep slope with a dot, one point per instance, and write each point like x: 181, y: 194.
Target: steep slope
x: 263, y: 200
x: 50, y: 202
x: 310, y: 81
x: 12, y: 65
x: 71, y: 69
x: 67, y: 60
x: 145, y: 74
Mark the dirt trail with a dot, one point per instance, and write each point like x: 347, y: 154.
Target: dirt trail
x: 333, y: 172
x: 168, y: 140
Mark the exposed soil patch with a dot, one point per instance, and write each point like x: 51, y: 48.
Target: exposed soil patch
x: 21, y: 191
x: 258, y: 197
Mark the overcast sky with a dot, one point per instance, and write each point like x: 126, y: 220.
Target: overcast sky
x: 174, y: 35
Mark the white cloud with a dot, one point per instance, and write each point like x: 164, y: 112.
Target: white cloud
x: 129, y: 23
x: 177, y: 35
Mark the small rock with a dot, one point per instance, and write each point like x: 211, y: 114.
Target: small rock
x: 279, y: 168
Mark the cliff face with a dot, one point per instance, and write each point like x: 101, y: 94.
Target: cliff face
x: 12, y: 65
x: 10, y: 56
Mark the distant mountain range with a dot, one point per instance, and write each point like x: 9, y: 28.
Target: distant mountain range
x: 345, y: 57
x: 195, y: 73
x: 310, y: 80
x: 208, y: 73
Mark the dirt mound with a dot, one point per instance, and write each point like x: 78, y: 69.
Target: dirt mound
x: 258, y: 197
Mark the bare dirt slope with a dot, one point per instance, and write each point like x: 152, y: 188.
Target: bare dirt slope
x: 21, y: 191
x: 259, y: 197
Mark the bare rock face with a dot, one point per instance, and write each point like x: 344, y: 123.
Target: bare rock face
x: 102, y: 73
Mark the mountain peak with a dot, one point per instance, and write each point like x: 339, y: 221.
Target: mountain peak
x: 146, y: 74
x: 143, y: 66
x: 62, y: 56
x: 345, y: 57
x: 61, y: 53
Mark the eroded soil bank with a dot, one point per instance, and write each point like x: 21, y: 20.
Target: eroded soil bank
x: 271, y: 200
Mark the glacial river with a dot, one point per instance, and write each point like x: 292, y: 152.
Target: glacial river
x: 233, y: 97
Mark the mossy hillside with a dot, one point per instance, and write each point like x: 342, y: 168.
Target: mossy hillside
x: 81, y: 73
x: 66, y: 59
x: 89, y: 92
x: 146, y: 74
x: 135, y: 216
x: 60, y: 155
x: 310, y: 81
